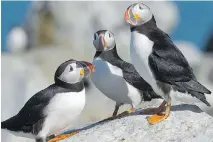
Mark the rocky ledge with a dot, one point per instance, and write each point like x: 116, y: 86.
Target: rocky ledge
x: 186, y: 123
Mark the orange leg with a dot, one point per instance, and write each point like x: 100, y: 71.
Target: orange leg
x: 159, y: 117
x: 131, y: 110
x: 62, y: 136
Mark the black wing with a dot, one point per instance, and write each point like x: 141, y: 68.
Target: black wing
x: 30, y: 118
x: 170, y: 66
x: 167, y: 61
x: 132, y: 77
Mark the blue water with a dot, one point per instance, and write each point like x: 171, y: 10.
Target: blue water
x: 196, y: 20
x: 12, y: 13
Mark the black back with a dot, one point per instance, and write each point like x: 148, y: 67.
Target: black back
x: 129, y: 72
x: 166, y: 60
x: 31, y: 117
x: 168, y: 63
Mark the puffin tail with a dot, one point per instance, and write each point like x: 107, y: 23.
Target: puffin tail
x: 197, y: 90
x: 9, y: 123
x: 194, y: 88
x: 200, y: 96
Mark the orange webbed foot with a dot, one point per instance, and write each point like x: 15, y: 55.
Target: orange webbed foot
x: 159, y: 117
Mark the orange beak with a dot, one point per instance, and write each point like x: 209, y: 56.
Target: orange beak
x: 91, y: 67
x: 126, y: 15
x: 102, y: 40
x: 87, y: 67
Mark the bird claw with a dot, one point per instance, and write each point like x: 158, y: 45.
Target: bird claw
x: 62, y: 136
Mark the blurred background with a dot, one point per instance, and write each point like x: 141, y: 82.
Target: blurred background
x: 38, y: 36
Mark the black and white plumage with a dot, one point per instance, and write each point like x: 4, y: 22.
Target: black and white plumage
x: 159, y: 61
x: 114, y: 77
x: 54, y: 108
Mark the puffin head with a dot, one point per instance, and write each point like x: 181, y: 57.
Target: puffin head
x: 103, y: 40
x: 73, y: 71
x: 138, y: 14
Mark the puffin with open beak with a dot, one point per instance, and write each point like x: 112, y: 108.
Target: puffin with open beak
x: 160, y: 63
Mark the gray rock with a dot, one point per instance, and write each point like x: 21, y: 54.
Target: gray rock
x: 185, y: 123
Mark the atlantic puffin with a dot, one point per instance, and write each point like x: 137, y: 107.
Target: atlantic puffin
x: 160, y: 63
x: 116, y: 78
x: 55, y: 107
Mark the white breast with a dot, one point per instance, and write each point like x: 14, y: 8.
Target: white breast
x: 140, y: 49
x: 109, y: 80
x: 61, y: 111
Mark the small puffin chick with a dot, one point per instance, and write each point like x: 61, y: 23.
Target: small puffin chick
x: 160, y: 62
x: 114, y: 77
x: 55, y: 107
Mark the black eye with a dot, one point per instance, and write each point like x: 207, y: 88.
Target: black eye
x: 109, y: 35
x: 71, y: 68
x: 140, y: 7
x: 94, y: 36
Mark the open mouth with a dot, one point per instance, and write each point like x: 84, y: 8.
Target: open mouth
x: 88, y: 68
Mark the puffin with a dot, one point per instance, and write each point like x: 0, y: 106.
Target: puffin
x: 160, y: 63
x: 55, y: 107
x: 116, y: 78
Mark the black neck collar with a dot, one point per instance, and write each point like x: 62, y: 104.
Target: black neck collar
x: 151, y: 24
x: 108, y: 55
x: 76, y: 87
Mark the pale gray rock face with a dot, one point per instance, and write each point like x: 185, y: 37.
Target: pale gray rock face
x: 204, y: 76
x: 206, y: 68
x: 20, y: 80
x: 186, y: 123
x: 13, y: 92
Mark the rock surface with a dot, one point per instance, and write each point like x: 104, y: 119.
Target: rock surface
x: 186, y: 123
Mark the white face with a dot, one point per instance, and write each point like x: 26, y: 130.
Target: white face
x: 73, y: 73
x: 138, y: 14
x: 104, y: 41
